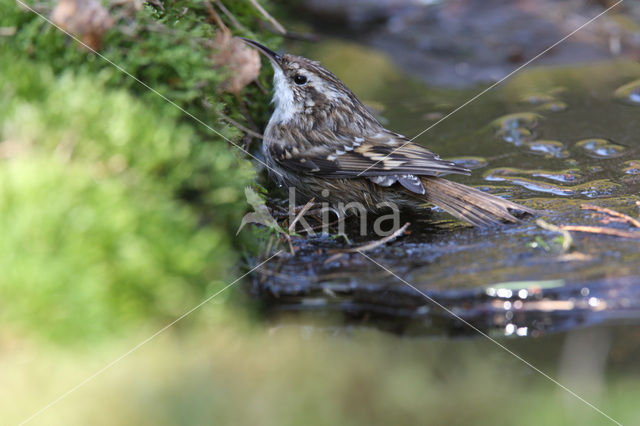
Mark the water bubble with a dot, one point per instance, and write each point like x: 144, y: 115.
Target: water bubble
x: 527, y: 120
x: 601, y: 148
x: 516, y: 136
x: 629, y: 93
x: 538, y: 98
x: 550, y: 149
x: 553, y: 106
x: 516, y: 128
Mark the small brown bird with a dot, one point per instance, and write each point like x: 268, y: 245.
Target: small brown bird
x: 324, y: 142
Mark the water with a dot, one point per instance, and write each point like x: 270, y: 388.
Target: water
x: 551, y: 138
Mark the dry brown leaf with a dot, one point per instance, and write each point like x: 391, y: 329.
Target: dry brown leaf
x: 85, y: 19
x: 241, y: 61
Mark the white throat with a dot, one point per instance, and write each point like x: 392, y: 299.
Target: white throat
x: 285, y: 108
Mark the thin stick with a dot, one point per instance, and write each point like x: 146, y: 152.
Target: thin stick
x: 567, y: 240
x: 610, y: 212
x: 300, y: 214
x: 600, y: 230
x: 240, y: 126
x: 215, y: 17
x: 270, y: 18
x: 229, y: 15
x: 368, y: 246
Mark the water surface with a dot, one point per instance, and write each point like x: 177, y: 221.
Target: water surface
x: 551, y: 138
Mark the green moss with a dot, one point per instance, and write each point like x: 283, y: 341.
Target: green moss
x: 83, y: 255
x: 116, y: 207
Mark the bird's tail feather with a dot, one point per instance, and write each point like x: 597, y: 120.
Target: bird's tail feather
x: 471, y: 205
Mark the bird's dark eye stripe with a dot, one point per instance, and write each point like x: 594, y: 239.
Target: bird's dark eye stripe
x: 299, y: 79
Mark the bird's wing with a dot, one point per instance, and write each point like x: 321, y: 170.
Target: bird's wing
x: 347, y: 156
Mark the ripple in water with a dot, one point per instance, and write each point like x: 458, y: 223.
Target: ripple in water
x: 629, y: 93
x: 601, y: 148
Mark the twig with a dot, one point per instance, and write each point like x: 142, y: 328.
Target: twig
x: 270, y: 18
x: 567, y: 240
x: 300, y: 214
x: 240, y: 126
x: 215, y: 17
x: 600, y: 230
x: 229, y: 15
x: 368, y: 246
x: 613, y: 213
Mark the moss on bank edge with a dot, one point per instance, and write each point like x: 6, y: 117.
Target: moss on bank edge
x: 116, y: 207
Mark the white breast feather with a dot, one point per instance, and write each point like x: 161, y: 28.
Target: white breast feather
x: 282, y: 98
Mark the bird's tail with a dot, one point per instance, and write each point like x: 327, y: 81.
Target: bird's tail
x: 471, y: 205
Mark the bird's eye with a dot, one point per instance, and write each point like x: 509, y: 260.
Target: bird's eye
x: 299, y: 79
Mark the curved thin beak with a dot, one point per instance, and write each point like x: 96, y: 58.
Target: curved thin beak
x: 270, y: 54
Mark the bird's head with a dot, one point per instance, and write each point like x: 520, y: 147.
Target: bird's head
x: 305, y: 90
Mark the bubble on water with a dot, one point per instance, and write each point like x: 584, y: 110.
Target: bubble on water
x: 553, y: 106
x: 601, y: 148
x: 538, y: 98
x: 629, y: 93
x: 631, y: 167
x: 516, y: 128
x: 550, y: 149
x: 527, y: 120
x: 470, y: 163
x: 516, y: 136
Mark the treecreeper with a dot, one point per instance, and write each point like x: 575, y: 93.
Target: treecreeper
x: 324, y: 142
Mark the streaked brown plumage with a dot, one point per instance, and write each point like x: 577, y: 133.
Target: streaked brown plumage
x: 322, y: 138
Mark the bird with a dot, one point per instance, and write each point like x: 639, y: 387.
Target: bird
x: 324, y: 142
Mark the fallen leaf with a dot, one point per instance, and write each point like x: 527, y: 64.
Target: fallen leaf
x: 86, y: 19
x: 241, y: 61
